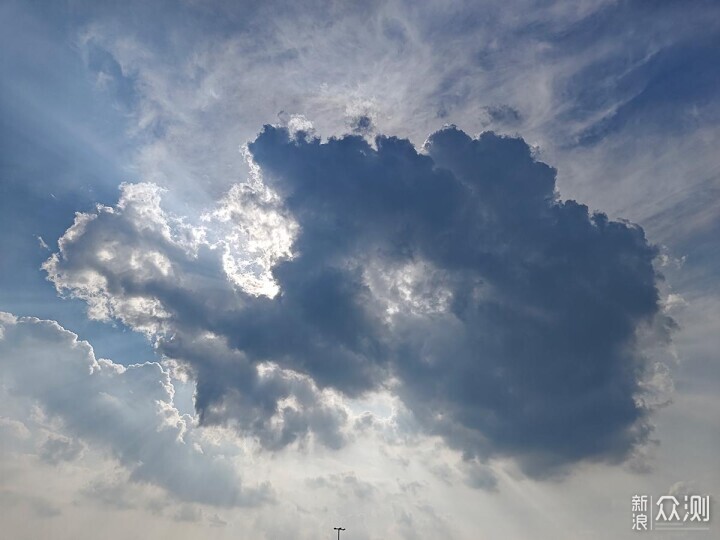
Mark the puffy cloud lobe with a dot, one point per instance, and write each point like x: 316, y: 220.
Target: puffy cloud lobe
x: 505, y: 318
x: 277, y: 406
x: 126, y: 410
x: 159, y: 275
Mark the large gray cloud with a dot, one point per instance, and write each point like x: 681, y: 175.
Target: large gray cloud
x: 534, y: 353
x: 505, y: 318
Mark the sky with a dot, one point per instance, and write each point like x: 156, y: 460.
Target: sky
x: 418, y: 270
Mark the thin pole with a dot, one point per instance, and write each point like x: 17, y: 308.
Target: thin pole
x: 338, y: 529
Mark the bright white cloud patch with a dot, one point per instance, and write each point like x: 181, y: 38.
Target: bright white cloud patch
x: 253, y: 231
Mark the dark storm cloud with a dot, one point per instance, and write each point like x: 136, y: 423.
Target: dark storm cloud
x: 507, y: 317
x: 535, y: 355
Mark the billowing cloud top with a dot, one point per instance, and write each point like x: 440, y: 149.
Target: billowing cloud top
x: 506, y: 319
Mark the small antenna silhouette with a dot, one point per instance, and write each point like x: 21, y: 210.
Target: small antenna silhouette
x: 338, y: 529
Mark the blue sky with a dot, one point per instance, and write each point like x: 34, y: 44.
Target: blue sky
x: 421, y: 270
